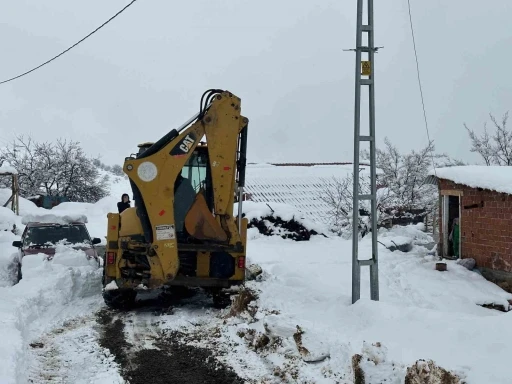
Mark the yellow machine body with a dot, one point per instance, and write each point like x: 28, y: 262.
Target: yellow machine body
x: 183, y: 229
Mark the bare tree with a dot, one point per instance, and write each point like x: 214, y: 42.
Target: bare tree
x: 55, y: 169
x: 495, y: 149
x: 338, y: 195
x: 401, y: 192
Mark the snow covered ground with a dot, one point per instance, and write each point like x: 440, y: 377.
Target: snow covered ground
x: 301, y: 327
x: 422, y: 314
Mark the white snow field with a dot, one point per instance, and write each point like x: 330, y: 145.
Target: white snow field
x: 49, y: 332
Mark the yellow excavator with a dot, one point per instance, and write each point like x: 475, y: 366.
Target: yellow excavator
x: 182, y: 231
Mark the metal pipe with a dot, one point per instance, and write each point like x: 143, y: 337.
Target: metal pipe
x: 242, y: 162
x: 374, y: 271
x: 356, y: 269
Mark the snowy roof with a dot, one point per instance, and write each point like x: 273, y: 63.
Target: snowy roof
x: 495, y: 178
x: 298, y: 185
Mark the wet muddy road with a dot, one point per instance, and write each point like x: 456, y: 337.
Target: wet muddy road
x: 147, y: 354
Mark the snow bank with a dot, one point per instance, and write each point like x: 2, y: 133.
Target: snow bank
x: 7, y: 168
x: 46, y: 288
x: 26, y: 206
x: 495, y: 178
x: 408, y: 234
x: 7, y: 219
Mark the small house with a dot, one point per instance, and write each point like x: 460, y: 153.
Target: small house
x: 479, y: 198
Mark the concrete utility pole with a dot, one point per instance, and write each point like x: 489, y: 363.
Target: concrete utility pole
x: 364, y: 69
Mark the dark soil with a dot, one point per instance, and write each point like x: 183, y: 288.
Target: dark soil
x: 173, y: 361
x: 296, y: 230
x: 176, y: 362
x: 112, y: 337
x: 496, y: 307
x: 433, y: 374
x: 358, y: 371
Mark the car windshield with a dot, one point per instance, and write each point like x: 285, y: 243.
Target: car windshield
x: 73, y: 234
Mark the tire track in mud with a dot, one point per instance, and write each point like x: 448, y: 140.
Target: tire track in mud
x: 147, y: 355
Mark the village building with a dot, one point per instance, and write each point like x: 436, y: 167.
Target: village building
x: 477, y: 199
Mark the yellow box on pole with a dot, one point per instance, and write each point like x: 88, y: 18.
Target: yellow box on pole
x: 366, y: 68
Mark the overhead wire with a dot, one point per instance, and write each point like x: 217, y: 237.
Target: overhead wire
x: 74, y: 45
x: 419, y: 84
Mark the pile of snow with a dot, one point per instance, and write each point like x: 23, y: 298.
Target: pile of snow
x: 7, y: 219
x: 55, y: 218
x: 405, y: 237
x: 277, y: 219
x: 26, y: 206
x: 47, y: 288
x: 495, y: 178
x: 7, y: 169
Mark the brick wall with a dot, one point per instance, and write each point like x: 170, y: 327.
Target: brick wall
x: 486, y: 232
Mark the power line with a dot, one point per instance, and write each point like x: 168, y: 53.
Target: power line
x: 419, y: 83
x: 74, y: 45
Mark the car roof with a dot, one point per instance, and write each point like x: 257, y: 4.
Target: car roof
x: 37, y: 224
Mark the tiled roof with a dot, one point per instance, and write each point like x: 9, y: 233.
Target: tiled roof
x: 297, y: 185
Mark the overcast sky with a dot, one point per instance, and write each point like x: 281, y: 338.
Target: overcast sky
x: 144, y: 73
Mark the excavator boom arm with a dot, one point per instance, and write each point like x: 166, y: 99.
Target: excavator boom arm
x: 155, y: 172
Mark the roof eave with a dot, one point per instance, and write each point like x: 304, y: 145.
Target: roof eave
x: 432, y: 180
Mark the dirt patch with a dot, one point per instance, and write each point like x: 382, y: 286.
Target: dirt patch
x: 176, y: 362
x: 170, y: 361
x: 358, y: 371
x: 288, y: 229
x: 112, y: 337
x: 242, y: 303
x: 297, y: 337
x: 496, y: 307
x: 427, y: 372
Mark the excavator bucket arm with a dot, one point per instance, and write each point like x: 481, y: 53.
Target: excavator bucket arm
x: 167, y: 205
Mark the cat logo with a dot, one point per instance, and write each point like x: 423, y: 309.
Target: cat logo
x: 187, y: 143
x: 184, y: 146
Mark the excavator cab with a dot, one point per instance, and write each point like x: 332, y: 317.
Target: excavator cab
x: 183, y: 230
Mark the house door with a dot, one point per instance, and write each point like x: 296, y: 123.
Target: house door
x: 451, y: 215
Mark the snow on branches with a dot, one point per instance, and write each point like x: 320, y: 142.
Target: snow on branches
x: 401, y: 188
x: 58, y: 168
x: 495, y: 149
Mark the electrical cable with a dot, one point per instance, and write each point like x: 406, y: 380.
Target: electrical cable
x: 419, y: 83
x: 211, y: 93
x: 74, y: 45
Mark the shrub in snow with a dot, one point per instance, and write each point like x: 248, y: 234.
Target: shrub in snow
x: 277, y: 219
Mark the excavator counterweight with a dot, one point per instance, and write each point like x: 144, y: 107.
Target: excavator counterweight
x: 182, y: 230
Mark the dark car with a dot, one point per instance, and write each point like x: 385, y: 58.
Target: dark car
x: 43, y: 237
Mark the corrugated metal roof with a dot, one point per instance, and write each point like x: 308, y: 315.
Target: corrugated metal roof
x: 431, y: 179
x: 296, y: 185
